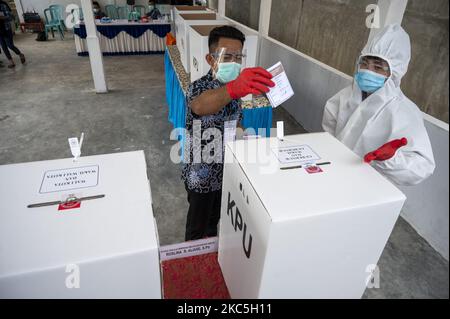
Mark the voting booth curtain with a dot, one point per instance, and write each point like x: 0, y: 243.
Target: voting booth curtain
x: 174, y: 95
x: 258, y: 118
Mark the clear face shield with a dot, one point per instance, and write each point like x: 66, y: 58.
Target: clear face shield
x: 375, y: 65
x: 228, y: 64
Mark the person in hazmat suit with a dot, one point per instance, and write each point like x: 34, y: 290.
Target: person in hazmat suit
x: 375, y: 119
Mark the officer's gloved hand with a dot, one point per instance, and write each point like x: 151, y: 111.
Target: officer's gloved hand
x: 385, y: 152
x: 251, y: 81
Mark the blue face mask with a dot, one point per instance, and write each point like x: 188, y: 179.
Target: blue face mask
x: 228, y: 72
x: 369, y: 81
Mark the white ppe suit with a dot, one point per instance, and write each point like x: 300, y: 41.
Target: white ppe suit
x: 385, y: 115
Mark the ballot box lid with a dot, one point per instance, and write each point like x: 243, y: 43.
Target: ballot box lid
x: 347, y: 183
x: 34, y: 239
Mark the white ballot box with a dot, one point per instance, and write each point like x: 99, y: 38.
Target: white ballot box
x: 183, y: 30
x: 199, y: 35
x: 103, y: 246
x: 309, y: 232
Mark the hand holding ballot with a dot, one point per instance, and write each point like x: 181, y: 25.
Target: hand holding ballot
x: 282, y: 91
x: 251, y: 81
x: 385, y: 152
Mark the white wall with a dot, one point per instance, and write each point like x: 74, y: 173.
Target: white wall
x: 427, y: 207
x: 313, y: 82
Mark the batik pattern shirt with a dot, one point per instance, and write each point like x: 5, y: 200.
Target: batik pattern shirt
x: 204, y: 176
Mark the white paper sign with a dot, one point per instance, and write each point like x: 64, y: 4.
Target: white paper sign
x: 282, y: 91
x: 296, y: 154
x: 189, y: 249
x: 69, y: 179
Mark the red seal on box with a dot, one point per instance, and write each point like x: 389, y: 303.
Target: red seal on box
x: 313, y: 169
x: 69, y: 205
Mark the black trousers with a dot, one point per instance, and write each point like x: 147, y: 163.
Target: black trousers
x: 203, y: 214
x: 6, y: 41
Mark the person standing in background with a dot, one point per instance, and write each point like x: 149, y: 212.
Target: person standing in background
x: 98, y: 14
x: 6, y: 35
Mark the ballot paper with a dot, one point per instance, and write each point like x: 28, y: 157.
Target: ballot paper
x: 283, y: 89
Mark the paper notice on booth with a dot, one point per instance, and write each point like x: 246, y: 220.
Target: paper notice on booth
x: 282, y: 91
x: 296, y: 154
x: 189, y: 249
x: 69, y: 179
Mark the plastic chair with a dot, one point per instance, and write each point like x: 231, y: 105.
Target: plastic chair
x: 111, y: 11
x: 59, y: 15
x: 51, y: 23
x: 140, y: 9
x: 134, y: 16
x: 164, y: 8
x: 123, y: 12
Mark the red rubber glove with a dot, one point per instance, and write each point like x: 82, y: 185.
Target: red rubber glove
x: 251, y: 81
x: 385, y: 152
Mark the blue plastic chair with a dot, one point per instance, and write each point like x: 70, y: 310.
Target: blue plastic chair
x: 123, y: 12
x: 134, y: 16
x: 111, y: 11
x: 59, y: 11
x: 52, y: 23
x: 140, y: 9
